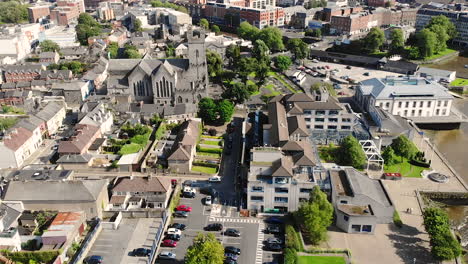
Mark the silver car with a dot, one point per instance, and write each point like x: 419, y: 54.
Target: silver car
x: 167, y: 255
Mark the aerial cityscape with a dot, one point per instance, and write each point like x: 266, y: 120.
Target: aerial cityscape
x: 233, y: 132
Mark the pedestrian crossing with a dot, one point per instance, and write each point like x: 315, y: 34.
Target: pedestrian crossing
x: 235, y: 220
x: 261, y: 237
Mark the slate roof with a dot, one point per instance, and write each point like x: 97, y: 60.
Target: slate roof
x: 186, y: 140
x: 35, y: 175
x: 9, y: 215
x: 75, y: 158
x: 80, y: 138
x: 23, y: 68
x: 16, y: 137
x: 143, y: 184
x: 49, y: 111
x: 47, y: 55
x: 277, y: 117
x: 282, y: 167
x: 297, y: 125
x: 54, y: 191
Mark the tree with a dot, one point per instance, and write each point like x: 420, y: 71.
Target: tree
x: 233, y: 55
x: 445, y: 23
x: 374, y: 40
x: 316, y: 3
x: 205, y: 249
x: 262, y: 69
x: 247, y: 31
x: 388, y: 4
x: 389, y: 156
x: 113, y: 49
x: 225, y: 110
x: 170, y: 50
x: 298, y: 48
x: 49, y: 45
x: 245, y: 66
x: 87, y: 27
x: 236, y: 92
x: 204, y: 23
x: 13, y: 12
x: 426, y: 41
x: 351, y: 153
x: 441, y: 37
x: 260, y: 50
x: 404, y: 147
x: 215, y: 29
x: 316, y: 33
x: 397, y: 39
x: 207, y: 109
x: 272, y: 37
x: 131, y: 52
x: 137, y: 26
x: 215, y: 63
x: 282, y: 62
x: 316, y: 215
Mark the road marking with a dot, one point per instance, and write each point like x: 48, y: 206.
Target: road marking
x: 235, y: 220
x: 261, y: 237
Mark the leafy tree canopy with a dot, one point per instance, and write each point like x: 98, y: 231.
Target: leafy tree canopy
x: 49, y: 46
x: 205, y: 249
x: 283, y: 62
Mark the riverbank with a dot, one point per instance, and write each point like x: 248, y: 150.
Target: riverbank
x: 456, y: 64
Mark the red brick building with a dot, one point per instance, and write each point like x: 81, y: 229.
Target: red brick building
x: 21, y: 73
x: 67, y: 11
x: 37, y: 12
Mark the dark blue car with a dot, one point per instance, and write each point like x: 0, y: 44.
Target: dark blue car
x: 93, y: 260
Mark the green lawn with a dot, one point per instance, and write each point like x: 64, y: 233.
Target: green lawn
x: 459, y: 82
x: 270, y: 87
x: 130, y: 148
x: 203, y: 169
x: 214, y: 155
x: 210, y: 142
x: 282, y: 81
x: 443, y: 53
x: 405, y: 169
x: 320, y: 260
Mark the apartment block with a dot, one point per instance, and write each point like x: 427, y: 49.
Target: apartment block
x: 35, y: 13
x: 67, y: 11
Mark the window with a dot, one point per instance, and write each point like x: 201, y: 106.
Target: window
x: 420, y: 112
x: 305, y: 190
x: 343, y: 202
x: 332, y: 127
x: 346, y: 120
x: 257, y: 188
x: 439, y: 103
x: 346, y: 218
x: 319, y: 112
x: 308, y: 126
x: 421, y: 104
x: 281, y: 190
x: 413, y: 112
x: 333, y: 112
x: 281, y: 180
x: 281, y: 199
x: 381, y: 104
x: 414, y: 104
x: 399, y: 104
x: 444, y: 112
x: 405, y: 113
x: 307, y: 119
x: 407, y: 104
x: 437, y: 112
x: 346, y: 127
x: 366, y: 228
x: 318, y: 127
x: 256, y: 198
x: 307, y: 112
x: 429, y: 104
x: 319, y: 119
x: 446, y: 103
x: 333, y: 120
x: 387, y: 105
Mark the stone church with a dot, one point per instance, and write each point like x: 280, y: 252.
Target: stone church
x: 163, y: 81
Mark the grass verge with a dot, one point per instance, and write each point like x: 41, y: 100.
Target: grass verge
x: 204, y: 169
x: 405, y: 169
x: 282, y: 81
x: 320, y: 260
x: 443, y: 53
x: 459, y: 82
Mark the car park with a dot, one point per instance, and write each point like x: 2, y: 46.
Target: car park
x: 273, y: 247
x: 174, y: 231
x: 232, y: 232
x: 184, y: 208
x: 167, y: 255
x: 273, y: 229
x: 94, y: 259
x: 174, y: 237
x: 214, y: 179
x: 178, y: 226
x: 231, y: 256
x: 141, y: 252
x: 214, y: 227
x: 182, y: 214
x: 169, y: 243
x: 232, y: 250
x: 274, y: 240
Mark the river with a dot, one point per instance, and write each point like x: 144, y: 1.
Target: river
x: 456, y: 64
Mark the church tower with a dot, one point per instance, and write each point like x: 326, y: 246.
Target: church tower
x: 197, y: 64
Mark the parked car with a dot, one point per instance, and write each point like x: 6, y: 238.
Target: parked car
x: 208, y: 200
x: 233, y: 250
x: 141, y: 252
x: 188, y: 183
x: 214, y: 227
x: 230, y: 261
x: 273, y: 229
x: 273, y: 247
x: 182, y: 214
x: 214, y: 179
x: 174, y: 237
x: 94, y: 259
x: 274, y: 240
x: 348, y: 67
x: 174, y: 231
x: 178, y: 226
x: 184, y: 208
x: 169, y: 243
x: 232, y: 232
x: 188, y: 194
x: 366, y: 73
x: 274, y: 220
x: 231, y: 256
x: 167, y: 255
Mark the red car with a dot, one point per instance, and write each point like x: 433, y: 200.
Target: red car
x: 169, y: 243
x: 184, y: 208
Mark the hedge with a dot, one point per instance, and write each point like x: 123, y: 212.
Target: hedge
x: 419, y: 163
x: 290, y: 256
x: 292, y: 239
x: 23, y: 257
x: 397, y: 220
x: 209, y: 150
